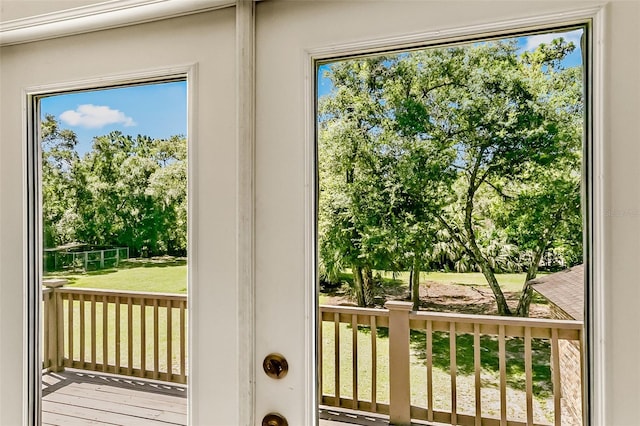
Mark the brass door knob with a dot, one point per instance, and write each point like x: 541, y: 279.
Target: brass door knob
x: 275, y: 366
x: 274, y: 419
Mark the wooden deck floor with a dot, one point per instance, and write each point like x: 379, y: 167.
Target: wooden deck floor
x: 85, y: 398
x: 82, y: 398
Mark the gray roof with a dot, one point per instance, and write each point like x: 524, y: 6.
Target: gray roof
x: 565, y: 289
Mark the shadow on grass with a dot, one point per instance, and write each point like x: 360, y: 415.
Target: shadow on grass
x: 489, y: 357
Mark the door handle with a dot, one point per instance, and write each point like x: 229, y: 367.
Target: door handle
x: 274, y: 419
x: 275, y: 366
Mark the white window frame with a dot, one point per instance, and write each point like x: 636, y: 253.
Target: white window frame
x: 32, y: 154
x: 593, y: 189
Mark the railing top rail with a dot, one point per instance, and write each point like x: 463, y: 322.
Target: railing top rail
x: 462, y: 318
x: 355, y: 310
x: 496, y: 320
x: 134, y: 294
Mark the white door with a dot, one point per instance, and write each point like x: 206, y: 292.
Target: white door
x: 289, y: 37
x: 200, y: 48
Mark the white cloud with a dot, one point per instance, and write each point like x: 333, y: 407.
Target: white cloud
x: 95, y: 116
x: 536, y: 40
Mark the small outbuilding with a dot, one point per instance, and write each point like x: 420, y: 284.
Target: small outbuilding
x: 565, y: 292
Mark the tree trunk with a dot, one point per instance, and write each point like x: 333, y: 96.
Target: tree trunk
x: 415, y: 285
x: 357, y: 284
x: 411, y: 281
x: 367, y: 285
x: 501, y: 302
x: 527, y: 292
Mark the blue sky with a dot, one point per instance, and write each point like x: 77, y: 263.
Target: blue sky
x: 155, y: 110
x: 524, y: 43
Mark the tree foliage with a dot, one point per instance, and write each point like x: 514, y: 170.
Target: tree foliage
x: 464, y: 156
x: 125, y: 191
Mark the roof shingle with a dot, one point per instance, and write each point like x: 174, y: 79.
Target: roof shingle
x: 565, y: 289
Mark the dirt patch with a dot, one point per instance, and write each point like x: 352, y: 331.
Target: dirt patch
x: 458, y: 298
x: 467, y: 299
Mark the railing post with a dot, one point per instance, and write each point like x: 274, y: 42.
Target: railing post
x: 399, y: 382
x: 55, y: 324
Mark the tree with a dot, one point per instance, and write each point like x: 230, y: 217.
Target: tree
x: 125, y: 191
x: 501, y: 116
x: 58, y: 161
x: 461, y: 144
x: 133, y: 193
x: 352, y: 195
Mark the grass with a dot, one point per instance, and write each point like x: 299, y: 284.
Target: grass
x: 508, y: 282
x: 137, y: 275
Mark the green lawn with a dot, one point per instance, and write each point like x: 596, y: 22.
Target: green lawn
x: 136, y: 275
x: 508, y: 282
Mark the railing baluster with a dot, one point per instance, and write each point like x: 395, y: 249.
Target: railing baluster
x: 503, y: 375
x: 453, y: 371
x: 156, y: 344
x: 83, y: 337
x: 143, y: 337
x: 71, y: 328
x: 429, y: 348
x: 47, y: 327
x: 59, y: 332
x: 582, y: 388
x: 374, y: 363
x: 528, y: 372
x: 117, y: 336
x: 477, y: 368
x: 336, y: 356
x: 183, y: 345
x: 105, y: 333
x: 555, y: 366
x: 169, y: 337
x: 93, y: 332
x: 320, y: 356
x: 354, y: 355
x: 130, y: 335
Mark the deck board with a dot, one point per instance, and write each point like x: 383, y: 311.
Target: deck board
x: 80, y: 398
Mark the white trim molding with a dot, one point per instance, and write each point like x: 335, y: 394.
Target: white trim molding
x: 245, y: 207
x: 100, y: 16
x: 32, y: 207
